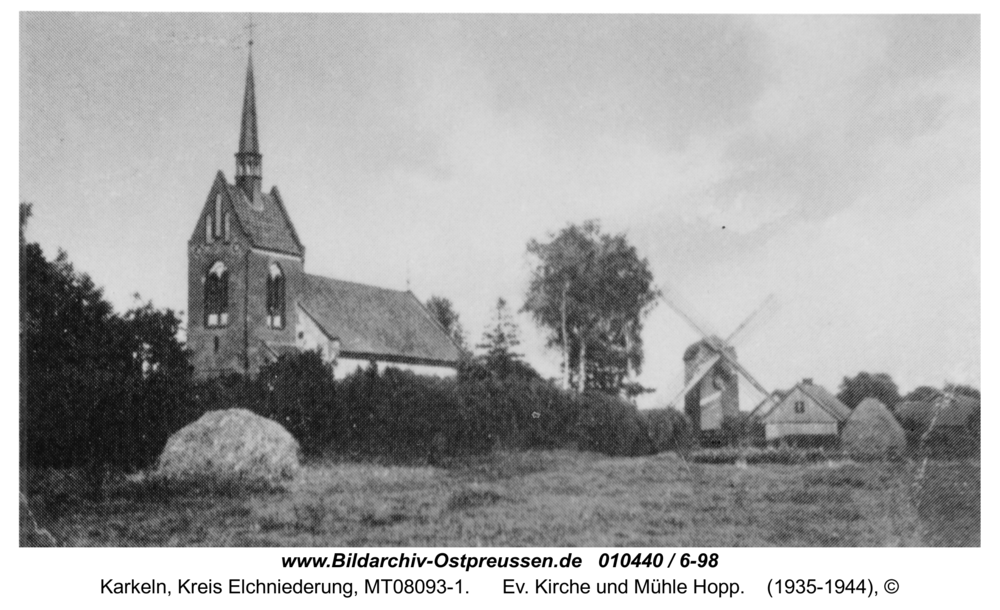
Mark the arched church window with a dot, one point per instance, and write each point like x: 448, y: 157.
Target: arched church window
x: 275, y: 297
x: 217, y: 295
x: 225, y: 226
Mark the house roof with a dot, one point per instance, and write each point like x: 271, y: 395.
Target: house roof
x: 772, y: 399
x: 265, y: 220
x: 372, y: 321
x: 827, y: 401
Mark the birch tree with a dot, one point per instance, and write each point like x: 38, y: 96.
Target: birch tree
x: 591, y: 291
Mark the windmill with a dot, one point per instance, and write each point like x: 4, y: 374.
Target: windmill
x: 711, y: 370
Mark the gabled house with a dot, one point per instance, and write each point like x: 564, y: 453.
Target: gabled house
x: 806, y: 415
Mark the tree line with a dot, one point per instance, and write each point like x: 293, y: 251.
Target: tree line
x: 106, y: 389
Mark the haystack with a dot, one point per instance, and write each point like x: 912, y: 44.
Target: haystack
x: 872, y: 430
x: 230, y: 445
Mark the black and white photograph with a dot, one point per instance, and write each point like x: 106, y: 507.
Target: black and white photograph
x: 356, y: 280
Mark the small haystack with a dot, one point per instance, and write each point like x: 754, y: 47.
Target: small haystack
x: 230, y: 445
x: 872, y: 430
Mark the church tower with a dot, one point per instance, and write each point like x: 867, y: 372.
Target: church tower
x: 245, y: 264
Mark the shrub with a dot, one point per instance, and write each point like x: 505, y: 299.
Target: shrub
x: 743, y: 430
x: 299, y: 393
x: 668, y: 430
x: 609, y: 425
x: 397, y: 415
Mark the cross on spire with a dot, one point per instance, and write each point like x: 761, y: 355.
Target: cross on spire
x: 248, y: 157
x: 249, y: 27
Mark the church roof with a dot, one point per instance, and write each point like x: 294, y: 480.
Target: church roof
x: 265, y: 220
x: 372, y: 321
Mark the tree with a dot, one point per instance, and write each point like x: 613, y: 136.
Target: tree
x: 869, y: 385
x: 101, y: 389
x: 963, y: 390
x: 444, y: 313
x: 500, y: 339
x: 924, y: 393
x: 500, y: 358
x: 591, y: 291
x: 24, y: 213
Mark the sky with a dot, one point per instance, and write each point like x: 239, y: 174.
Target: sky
x: 831, y: 161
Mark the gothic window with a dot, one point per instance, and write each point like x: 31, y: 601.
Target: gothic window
x: 225, y: 227
x: 275, y: 297
x: 800, y: 406
x: 217, y: 296
x: 217, y: 231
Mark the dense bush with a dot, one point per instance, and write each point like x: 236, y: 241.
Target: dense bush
x: 300, y: 394
x: 399, y: 416
x: 668, y: 430
x: 743, y: 430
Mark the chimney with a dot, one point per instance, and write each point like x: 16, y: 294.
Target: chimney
x: 808, y: 381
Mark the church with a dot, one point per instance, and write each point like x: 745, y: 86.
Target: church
x: 250, y: 299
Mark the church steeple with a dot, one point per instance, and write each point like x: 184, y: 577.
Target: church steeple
x: 248, y: 157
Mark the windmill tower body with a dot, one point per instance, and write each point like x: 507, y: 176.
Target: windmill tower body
x: 716, y: 396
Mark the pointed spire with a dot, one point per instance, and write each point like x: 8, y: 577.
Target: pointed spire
x: 248, y: 127
x: 248, y: 157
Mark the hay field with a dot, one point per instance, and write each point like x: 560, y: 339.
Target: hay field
x: 558, y: 498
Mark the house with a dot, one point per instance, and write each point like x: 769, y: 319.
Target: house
x: 806, y: 415
x: 250, y: 299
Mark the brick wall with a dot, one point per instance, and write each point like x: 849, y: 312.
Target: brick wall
x: 239, y: 342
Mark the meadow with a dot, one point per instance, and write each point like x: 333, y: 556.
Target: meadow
x: 534, y: 498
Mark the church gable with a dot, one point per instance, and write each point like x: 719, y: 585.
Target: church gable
x: 218, y: 222
x: 229, y: 215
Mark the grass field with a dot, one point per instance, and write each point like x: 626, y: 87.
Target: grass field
x: 556, y: 498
